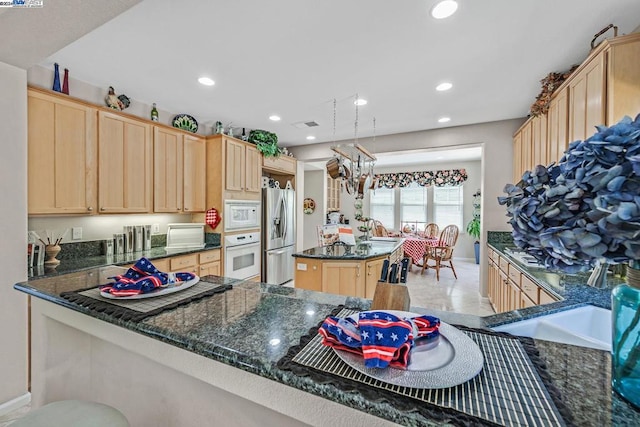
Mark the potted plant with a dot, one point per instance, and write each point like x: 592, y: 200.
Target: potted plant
x: 473, y: 227
x: 266, y: 142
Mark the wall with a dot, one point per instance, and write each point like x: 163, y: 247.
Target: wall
x: 314, y: 187
x: 496, y: 139
x: 13, y: 229
x: 464, y: 247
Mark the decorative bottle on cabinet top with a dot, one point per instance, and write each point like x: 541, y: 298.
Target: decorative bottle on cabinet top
x: 56, y: 78
x: 625, y: 357
x: 154, y: 113
x: 65, y: 82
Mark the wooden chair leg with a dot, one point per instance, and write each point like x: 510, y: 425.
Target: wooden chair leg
x: 438, y: 269
x: 424, y: 265
x: 453, y: 269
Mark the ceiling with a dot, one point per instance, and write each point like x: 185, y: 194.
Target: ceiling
x: 293, y: 57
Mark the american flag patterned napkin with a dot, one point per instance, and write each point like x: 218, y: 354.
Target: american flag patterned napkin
x: 141, y: 278
x: 382, y: 339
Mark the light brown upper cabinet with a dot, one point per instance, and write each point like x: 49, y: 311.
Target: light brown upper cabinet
x: 557, y: 125
x: 539, y: 141
x: 62, y: 161
x: 125, y: 164
x: 179, y: 169
x: 243, y: 167
x: 586, y: 98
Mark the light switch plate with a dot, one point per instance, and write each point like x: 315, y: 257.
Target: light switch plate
x: 302, y: 267
x: 155, y: 228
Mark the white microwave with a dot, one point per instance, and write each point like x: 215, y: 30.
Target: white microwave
x: 241, y: 215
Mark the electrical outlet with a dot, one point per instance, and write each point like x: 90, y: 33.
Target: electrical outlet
x: 76, y: 233
x: 155, y: 228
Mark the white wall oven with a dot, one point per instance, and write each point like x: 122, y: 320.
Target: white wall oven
x: 241, y: 215
x: 242, y: 255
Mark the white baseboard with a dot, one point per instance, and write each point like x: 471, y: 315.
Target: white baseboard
x: 14, y: 404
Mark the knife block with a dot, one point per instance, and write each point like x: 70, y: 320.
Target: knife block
x: 391, y: 296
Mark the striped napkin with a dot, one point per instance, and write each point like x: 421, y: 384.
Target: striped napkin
x: 381, y: 338
x: 141, y: 278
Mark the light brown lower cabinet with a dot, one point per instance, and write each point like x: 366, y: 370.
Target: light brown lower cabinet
x: 356, y: 278
x: 509, y: 288
x: 206, y: 263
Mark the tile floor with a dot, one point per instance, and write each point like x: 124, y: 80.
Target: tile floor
x: 448, y: 294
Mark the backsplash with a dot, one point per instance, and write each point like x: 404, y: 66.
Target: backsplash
x: 95, y: 248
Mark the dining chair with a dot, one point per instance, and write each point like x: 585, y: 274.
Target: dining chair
x: 443, y: 252
x: 431, y: 230
x: 379, y: 230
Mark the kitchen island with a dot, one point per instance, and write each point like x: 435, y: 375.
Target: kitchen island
x: 215, y: 361
x: 351, y: 270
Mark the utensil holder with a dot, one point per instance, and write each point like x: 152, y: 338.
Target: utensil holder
x: 52, y: 251
x: 391, y: 296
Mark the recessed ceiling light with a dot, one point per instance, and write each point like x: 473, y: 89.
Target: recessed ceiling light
x: 274, y: 118
x: 444, y: 119
x: 444, y: 86
x: 206, y: 81
x: 444, y: 9
x: 360, y: 101
x: 311, y: 137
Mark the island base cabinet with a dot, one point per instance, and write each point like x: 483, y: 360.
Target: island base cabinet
x: 126, y: 367
x: 343, y: 278
x: 308, y: 274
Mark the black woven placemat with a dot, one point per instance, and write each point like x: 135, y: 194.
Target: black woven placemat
x: 138, y: 309
x: 512, y: 389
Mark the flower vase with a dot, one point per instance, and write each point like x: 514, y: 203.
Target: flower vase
x: 56, y: 78
x: 625, y: 358
x: 65, y: 82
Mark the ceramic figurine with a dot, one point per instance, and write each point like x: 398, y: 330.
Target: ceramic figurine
x: 116, y: 102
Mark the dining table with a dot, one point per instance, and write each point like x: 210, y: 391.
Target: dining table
x: 415, y: 246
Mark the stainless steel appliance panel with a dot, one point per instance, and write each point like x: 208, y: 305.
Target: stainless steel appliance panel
x: 279, y: 218
x: 280, y: 265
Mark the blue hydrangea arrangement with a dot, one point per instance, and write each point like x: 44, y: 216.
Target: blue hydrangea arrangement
x: 584, y: 209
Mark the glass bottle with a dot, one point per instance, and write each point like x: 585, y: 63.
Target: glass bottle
x: 65, y: 82
x: 154, y: 113
x: 56, y: 78
x: 625, y: 357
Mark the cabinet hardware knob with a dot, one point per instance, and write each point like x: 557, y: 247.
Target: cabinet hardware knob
x: 90, y: 209
x: 186, y: 209
x: 102, y: 208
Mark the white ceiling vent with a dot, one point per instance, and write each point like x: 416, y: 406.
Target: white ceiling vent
x: 305, y: 124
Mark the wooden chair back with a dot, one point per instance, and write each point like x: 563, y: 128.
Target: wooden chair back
x: 378, y: 229
x: 448, y: 240
x: 431, y: 230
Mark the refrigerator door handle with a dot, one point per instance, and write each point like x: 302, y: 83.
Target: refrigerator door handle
x: 286, y: 219
x: 276, y: 253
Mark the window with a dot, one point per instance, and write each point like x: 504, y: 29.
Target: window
x: 448, y: 206
x: 413, y: 206
x: 382, y: 205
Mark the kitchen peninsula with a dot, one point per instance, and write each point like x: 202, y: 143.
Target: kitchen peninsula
x: 219, y: 359
x: 350, y: 270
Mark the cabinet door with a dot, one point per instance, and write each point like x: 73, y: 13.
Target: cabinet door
x: 195, y: 174
x: 557, y: 126
x: 210, y: 269
x: 308, y: 274
x: 234, y: 165
x: 62, y: 163
x: 527, y: 149
x: 374, y: 270
x: 586, y: 99
x: 167, y: 170
x: 343, y: 278
x: 125, y: 164
x: 517, y: 157
x: 253, y: 170
x: 539, y: 140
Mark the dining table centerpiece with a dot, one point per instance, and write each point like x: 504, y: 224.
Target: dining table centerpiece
x: 584, y: 212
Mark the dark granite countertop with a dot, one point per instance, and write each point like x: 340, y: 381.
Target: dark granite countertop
x: 69, y: 265
x: 371, y: 249
x: 255, y: 334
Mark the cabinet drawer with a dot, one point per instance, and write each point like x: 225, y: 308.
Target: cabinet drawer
x: 529, y: 288
x: 163, y: 264
x: 209, y: 256
x: 514, y: 274
x: 182, y: 263
x: 280, y: 163
x: 504, y: 264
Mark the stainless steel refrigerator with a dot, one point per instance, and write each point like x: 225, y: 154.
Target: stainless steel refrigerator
x: 278, y: 235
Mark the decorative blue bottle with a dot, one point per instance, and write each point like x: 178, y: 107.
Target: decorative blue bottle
x: 56, y: 78
x: 625, y: 357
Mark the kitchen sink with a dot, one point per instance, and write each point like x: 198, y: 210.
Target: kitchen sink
x: 587, y: 326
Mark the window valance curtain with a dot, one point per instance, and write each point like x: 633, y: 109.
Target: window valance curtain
x: 423, y: 178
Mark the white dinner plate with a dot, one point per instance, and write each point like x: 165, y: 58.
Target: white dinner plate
x: 450, y: 359
x: 177, y: 287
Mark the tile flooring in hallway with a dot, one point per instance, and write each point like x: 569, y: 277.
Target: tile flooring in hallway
x: 449, y: 294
